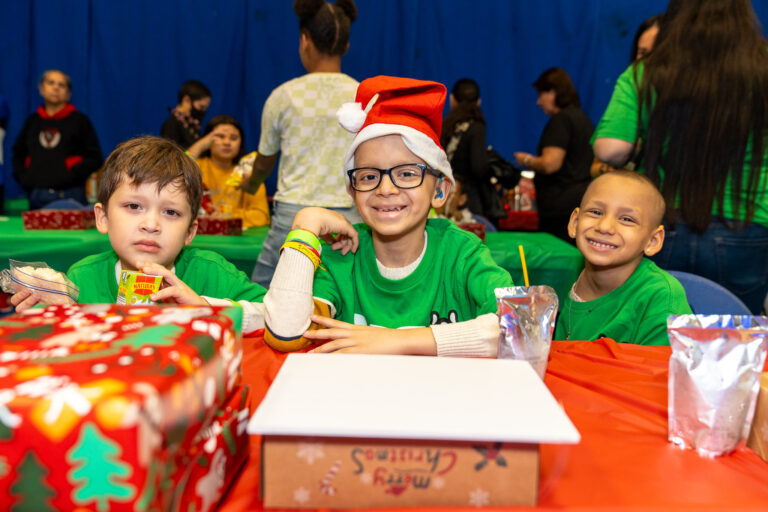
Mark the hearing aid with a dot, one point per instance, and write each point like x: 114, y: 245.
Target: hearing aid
x: 439, y: 194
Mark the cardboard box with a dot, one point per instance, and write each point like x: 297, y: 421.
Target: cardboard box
x: 98, y: 401
x: 212, y: 225
x: 378, y: 431
x: 58, y: 219
x: 758, y: 436
x: 475, y: 228
x: 347, y: 473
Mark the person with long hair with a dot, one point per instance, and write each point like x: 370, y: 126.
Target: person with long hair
x: 217, y: 154
x: 564, y: 156
x: 463, y: 137
x: 299, y: 122
x: 698, y: 104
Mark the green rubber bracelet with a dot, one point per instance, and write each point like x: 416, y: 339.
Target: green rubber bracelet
x: 304, y: 235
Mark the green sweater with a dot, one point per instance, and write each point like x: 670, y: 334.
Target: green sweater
x: 205, y: 272
x: 635, y: 312
x: 454, y: 282
x: 620, y: 122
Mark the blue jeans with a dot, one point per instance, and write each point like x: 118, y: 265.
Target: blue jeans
x: 282, y: 220
x: 738, y: 260
x: 40, y: 197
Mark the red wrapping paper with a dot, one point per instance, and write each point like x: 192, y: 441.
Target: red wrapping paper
x: 98, y: 401
x: 212, y: 225
x: 475, y: 228
x: 58, y: 219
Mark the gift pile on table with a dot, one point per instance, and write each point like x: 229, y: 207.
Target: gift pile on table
x: 106, y: 407
x: 58, y: 219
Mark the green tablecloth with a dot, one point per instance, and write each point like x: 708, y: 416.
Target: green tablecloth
x: 550, y: 261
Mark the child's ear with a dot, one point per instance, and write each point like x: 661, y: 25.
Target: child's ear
x: 102, y: 223
x: 441, y: 193
x: 191, y: 232
x: 572, y: 223
x: 655, y: 242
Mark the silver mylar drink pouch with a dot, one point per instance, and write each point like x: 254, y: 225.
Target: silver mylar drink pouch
x: 527, y: 320
x: 714, y: 379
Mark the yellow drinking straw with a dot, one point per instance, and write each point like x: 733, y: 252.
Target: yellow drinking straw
x: 525, y: 267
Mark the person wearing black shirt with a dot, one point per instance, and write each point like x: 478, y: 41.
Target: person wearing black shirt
x: 564, y: 155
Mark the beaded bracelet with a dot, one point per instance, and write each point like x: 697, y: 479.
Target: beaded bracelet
x: 306, y: 250
x: 304, y: 235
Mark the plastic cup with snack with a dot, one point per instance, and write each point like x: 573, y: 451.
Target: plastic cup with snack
x: 49, y: 286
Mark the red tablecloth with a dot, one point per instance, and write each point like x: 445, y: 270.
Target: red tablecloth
x: 616, y: 395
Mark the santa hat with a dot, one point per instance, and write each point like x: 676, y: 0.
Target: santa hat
x: 410, y: 108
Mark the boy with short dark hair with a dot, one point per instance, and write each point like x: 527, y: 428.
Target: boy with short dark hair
x: 149, y: 197
x: 185, y: 122
x: 57, y: 148
x: 412, y: 285
x: 620, y: 294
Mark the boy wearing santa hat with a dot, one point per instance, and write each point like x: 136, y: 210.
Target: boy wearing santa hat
x: 399, y: 283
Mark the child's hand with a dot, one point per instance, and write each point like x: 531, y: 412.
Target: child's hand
x: 324, y: 223
x: 173, y: 290
x: 24, y: 300
x: 364, y: 339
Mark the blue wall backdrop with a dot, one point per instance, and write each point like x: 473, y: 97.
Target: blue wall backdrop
x: 128, y: 58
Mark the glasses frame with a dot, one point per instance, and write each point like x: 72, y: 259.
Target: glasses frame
x: 388, y: 172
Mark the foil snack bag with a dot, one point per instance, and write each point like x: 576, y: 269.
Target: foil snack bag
x: 714, y: 379
x: 527, y: 320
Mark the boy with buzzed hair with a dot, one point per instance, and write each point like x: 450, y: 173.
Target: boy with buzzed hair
x: 184, y: 124
x: 620, y: 294
x: 410, y: 285
x: 149, y: 197
x: 57, y: 148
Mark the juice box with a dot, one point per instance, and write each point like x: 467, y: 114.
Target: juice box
x: 136, y: 288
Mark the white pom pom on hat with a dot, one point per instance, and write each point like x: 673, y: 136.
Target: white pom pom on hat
x: 407, y: 107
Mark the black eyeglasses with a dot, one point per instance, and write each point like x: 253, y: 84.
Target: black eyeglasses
x: 365, y: 179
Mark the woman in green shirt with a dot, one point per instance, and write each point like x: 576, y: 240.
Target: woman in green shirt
x: 696, y: 109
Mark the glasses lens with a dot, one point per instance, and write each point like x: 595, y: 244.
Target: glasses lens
x: 366, y: 179
x: 407, y: 176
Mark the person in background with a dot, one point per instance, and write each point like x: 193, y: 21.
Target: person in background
x: 564, y: 155
x: 183, y: 125
x: 620, y: 294
x: 217, y: 154
x: 299, y: 122
x: 698, y: 103
x: 642, y: 45
x: 57, y: 148
x: 464, y: 141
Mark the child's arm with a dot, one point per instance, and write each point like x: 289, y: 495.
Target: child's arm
x: 288, y: 303
x: 477, y: 338
x: 201, y: 145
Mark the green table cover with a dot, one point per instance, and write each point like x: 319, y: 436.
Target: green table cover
x: 550, y: 261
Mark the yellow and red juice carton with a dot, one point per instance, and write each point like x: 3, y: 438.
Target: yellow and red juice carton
x: 137, y: 288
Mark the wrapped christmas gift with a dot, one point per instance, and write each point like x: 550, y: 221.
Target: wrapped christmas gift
x: 98, y: 401
x: 217, y: 225
x: 58, y: 219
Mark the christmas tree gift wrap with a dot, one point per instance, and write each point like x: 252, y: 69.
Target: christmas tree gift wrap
x: 96, y: 401
x: 208, y: 468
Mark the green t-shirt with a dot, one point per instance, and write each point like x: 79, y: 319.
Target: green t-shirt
x: 205, y: 272
x: 635, y: 312
x: 454, y: 282
x: 620, y: 122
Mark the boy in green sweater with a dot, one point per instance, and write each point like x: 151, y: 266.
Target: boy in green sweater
x: 620, y: 294
x: 400, y: 283
x: 149, y: 197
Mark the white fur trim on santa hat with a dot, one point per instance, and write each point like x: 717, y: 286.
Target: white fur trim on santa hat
x: 417, y: 142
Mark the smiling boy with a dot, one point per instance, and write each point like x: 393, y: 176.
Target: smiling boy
x: 620, y: 294
x: 148, y: 201
x: 399, y: 283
